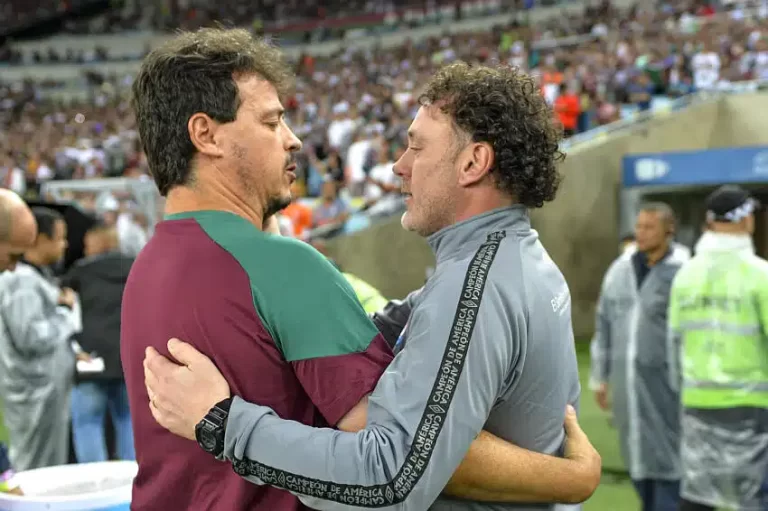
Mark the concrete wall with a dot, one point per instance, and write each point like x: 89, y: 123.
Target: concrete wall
x: 741, y: 122
x: 580, y: 228
x: 391, y: 259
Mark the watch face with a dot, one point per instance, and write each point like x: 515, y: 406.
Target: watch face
x: 207, y: 441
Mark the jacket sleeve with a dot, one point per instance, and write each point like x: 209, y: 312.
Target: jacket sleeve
x: 391, y: 320
x: 674, y: 339
x: 600, y: 347
x: 32, y: 330
x: 426, y: 410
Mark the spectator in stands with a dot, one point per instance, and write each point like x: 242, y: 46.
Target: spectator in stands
x: 300, y: 215
x: 36, y: 358
x: 11, y: 175
x: 99, y: 279
x: 606, y: 112
x: 332, y: 209
x: 706, y: 66
x: 640, y: 91
x: 567, y: 108
x: 359, y: 156
x: 341, y: 127
x: 381, y: 180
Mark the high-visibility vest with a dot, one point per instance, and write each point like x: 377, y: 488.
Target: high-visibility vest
x: 718, y: 310
x: 369, y: 296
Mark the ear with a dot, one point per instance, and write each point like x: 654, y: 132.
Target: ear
x: 477, y: 160
x: 202, y: 132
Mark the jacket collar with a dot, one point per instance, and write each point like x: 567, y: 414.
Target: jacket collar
x: 712, y: 242
x: 455, y: 238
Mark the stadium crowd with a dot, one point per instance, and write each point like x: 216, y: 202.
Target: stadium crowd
x: 352, y: 109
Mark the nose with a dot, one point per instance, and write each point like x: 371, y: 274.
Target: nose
x: 293, y: 142
x: 401, y: 166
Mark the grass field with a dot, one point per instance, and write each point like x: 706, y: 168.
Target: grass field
x: 3, y: 432
x: 615, y: 492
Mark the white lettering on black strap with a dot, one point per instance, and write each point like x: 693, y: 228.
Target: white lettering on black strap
x: 432, y: 420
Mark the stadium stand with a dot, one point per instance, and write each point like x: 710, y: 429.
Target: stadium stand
x: 352, y: 108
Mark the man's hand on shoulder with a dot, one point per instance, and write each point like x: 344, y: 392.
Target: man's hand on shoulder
x: 580, y: 450
x: 181, y: 394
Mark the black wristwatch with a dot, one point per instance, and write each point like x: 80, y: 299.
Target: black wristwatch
x: 209, y: 432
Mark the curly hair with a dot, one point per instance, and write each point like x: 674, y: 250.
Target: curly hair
x: 504, y: 108
x: 196, y: 72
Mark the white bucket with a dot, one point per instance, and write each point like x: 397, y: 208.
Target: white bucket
x: 82, y: 487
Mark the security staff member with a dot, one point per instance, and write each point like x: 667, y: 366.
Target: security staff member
x: 718, y: 318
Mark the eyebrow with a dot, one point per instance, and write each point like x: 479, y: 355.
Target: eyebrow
x: 277, y: 111
x: 413, y: 136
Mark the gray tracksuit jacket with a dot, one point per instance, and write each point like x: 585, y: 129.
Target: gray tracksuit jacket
x: 488, y: 345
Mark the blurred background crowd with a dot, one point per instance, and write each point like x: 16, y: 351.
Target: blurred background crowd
x: 595, y: 65
x: 68, y: 134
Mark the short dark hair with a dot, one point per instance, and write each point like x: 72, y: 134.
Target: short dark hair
x: 503, y: 107
x: 664, y: 210
x: 46, y: 219
x: 196, y: 72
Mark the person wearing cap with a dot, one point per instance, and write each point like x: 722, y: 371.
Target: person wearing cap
x: 629, y: 358
x: 718, y: 319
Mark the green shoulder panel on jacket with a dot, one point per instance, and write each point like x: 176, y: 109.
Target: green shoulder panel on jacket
x: 307, y: 305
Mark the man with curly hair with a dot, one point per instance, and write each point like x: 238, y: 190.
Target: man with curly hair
x: 489, y: 342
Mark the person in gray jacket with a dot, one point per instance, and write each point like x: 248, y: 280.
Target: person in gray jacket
x: 488, y: 344
x: 37, y: 360
x: 630, y: 358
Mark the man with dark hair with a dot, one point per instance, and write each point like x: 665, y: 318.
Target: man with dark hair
x: 212, y: 83
x: 483, y: 150
x: 37, y: 320
x: 630, y: 357
x: 99, y: 280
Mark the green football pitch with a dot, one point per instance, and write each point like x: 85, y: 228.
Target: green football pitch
x: 615, y: 492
